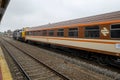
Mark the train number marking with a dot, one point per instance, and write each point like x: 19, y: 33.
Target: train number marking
x: 104, y: 31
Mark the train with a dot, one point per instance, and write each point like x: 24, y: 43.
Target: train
x: 98, y: 36
x: 19, y: 34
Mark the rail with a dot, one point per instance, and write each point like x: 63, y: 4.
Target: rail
x: 26, y: 75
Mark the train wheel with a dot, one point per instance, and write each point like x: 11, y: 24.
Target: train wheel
x: 114, y: 61
x: 102, y: 60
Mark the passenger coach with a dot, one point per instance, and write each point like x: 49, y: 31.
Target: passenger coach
x: 94, y: 34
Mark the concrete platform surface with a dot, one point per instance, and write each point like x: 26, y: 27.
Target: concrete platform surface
x: 4, y: 70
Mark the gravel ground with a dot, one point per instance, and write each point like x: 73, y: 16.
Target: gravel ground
x: 91, y: 67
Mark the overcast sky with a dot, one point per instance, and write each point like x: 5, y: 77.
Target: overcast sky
x: 30, y: 13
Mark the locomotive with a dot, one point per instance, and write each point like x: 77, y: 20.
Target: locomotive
x: 98, y: 35
x: 19, y: 34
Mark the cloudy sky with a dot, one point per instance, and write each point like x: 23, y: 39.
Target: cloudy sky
x: 30, y: 13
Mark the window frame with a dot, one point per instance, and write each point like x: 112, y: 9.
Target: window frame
x: 113, y: 29
x: 27, y: 33
x: 40, y: 33
x: 90, y: 30
x: 52, y: 33
x: 43, y: 33
x: 73, y: 31
x: 60, y: 32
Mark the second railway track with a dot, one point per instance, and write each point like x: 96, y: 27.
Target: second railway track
x: 32, y: 68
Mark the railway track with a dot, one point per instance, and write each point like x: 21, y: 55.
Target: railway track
x: 82, y: 72
x: 31, y: 67
x: 14, y: 68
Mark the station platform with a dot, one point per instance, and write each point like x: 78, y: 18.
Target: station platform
x: 4, y: 70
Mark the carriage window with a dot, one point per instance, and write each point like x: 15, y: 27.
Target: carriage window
x: 30, y: 33
x: 27, y: 33
x: 115, y: 31
x: 35, y: 33
x: 73, y: 32
x: 51, y: 32
x: 92, y: 32
x: 44, y: 33
x: 60, y: 32
x: 39, y: 33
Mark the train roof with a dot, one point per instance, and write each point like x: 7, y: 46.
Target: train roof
x: 97, y: 18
